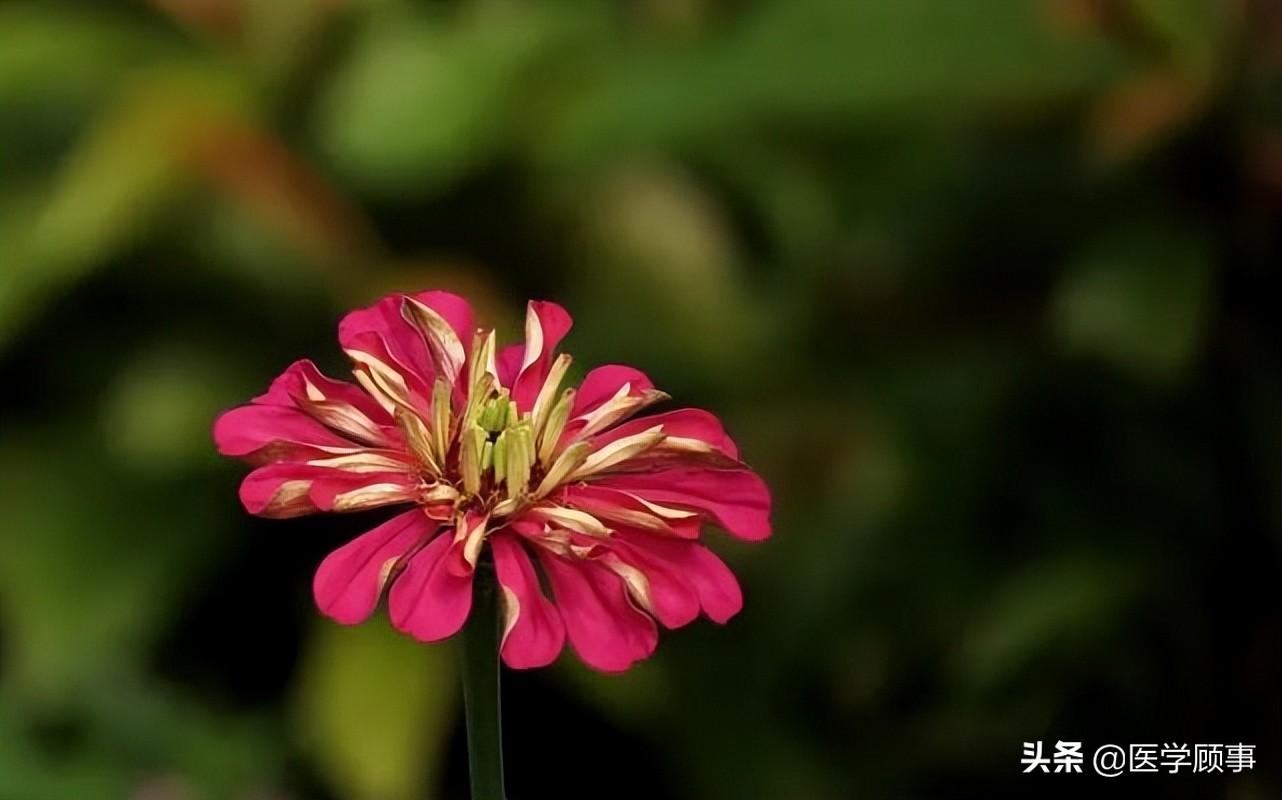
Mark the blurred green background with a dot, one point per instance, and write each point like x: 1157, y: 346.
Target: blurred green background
x: 986, y: 290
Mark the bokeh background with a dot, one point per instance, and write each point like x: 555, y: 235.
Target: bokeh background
x: 986, y: 290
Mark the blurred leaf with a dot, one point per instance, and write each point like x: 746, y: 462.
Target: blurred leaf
x: 421, y: 101
x: 685, y: 287
x: 156, y: 415
x: 1142, y: 111
x: 138, y: 737
x: 85, y: 581
x: 1138, y: 300
x: 281, y: 34
x: 28, y: 773
x: 115, y: 182
x: 375, y: 708
x: 1048, y: 612
x: 278, y: 191
x: 174, y: 739
x: 221, y: 20
x: 833, y: 62
x: 1192, y: 31
x: 56, y: 62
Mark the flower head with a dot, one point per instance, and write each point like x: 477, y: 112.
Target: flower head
x: 488, y: 450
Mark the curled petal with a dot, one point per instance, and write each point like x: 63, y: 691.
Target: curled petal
x: 262, y: 434
x: 618, y: 453
x: 622, y: 404
x: 292, y: 490
x: 277, y: 493
x: 428, y: 601
x: 573, y: 519
x: 602, y: 383
x: 546, y: 324
x: 383, y: 327
x: 304, y: 386
x: 350, y: 580
x: 469, y: 536
x: 508, y: 364
x: 626, y: 509
x: 394, y: 384
x: 736, y: 499
x: 695, y: 566
x: 658, y: 585
x: 383, y: 334
x: 444, y: 346
x: 607, y: 631
x: 348, y: 494
x: 533, y: 633
x: 453, y: 309
x: 684, y: 423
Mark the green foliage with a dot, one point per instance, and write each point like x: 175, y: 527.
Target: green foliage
x: 374, y: 707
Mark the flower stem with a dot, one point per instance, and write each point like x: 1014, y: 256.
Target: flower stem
x: 480, y: 666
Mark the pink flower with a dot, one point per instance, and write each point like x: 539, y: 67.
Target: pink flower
x: 486, y: 449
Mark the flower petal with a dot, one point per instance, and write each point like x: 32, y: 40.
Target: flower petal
x: 263, y: 434
x: 719, y: 591
x: 454, y: 309
x: 620, y: 507
x: 601, y: 384
x: 403, y: 341
x: 277, y: 493
x: 533, y: 633
x: 428, y: 601
x: 607, y: 631
x: 736, y: 499
x: 686, y: 423
x: 508, y: 364
x: 291, y: 489
x: 697, y: 566
x: 546, y: 324
x: 667, y: 593
x: 446, y: 349
x: 350, y: 580
x: 291, y: 388
x: 381, y: 332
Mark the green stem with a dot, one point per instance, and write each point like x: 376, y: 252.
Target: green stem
x: 480, y: 665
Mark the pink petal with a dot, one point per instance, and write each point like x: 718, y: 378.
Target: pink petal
x: 453, y: 309
x: 350, y: 579
x: 736, y: 499
x: 615, y: 505
x: 606, y: 630
x: 291, y: 489
x: 719, y: 591
x: 290, y: 389
x: 382, y: 331
x: 716, y: 586
x: 271, y: 433
x: 688, y: 423
x: 330, y: 485
x: 278, y: 491
x: 508, y: 363
x: 428, y: 601
x: 536, y: 634
x: 553, y: 322
x: 673, y: 599
x: 602, y: 383
x: 417, y: 375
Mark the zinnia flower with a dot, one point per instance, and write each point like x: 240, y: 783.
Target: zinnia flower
x: 563, y: 486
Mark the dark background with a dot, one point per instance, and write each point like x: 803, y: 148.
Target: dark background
x: 986, y: 291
